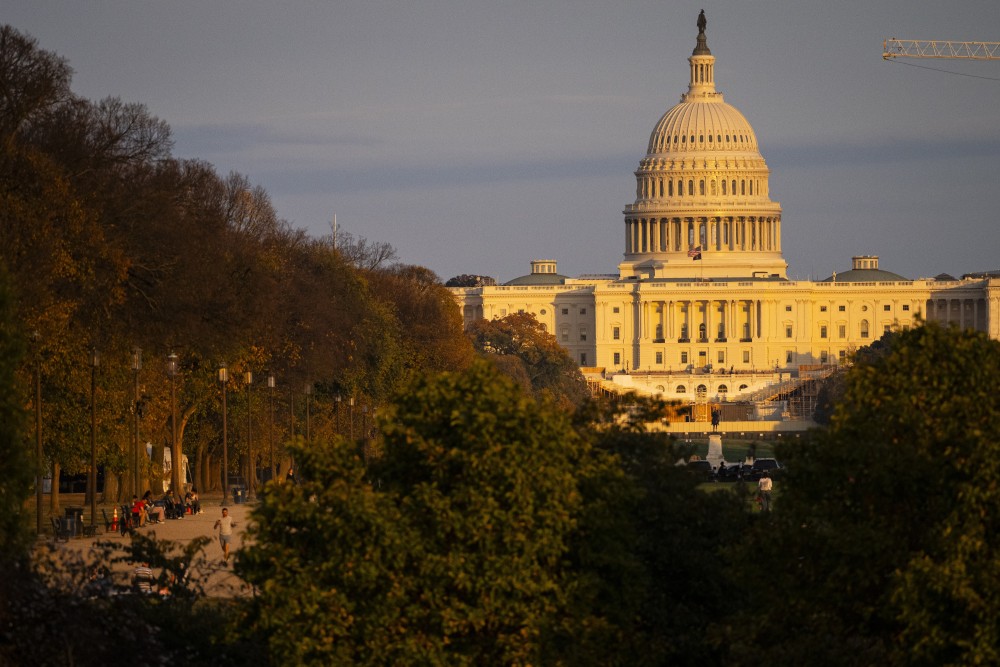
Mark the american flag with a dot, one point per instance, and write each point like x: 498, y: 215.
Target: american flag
x: 695, y: 253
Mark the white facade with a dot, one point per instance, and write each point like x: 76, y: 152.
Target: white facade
x: 701, y: 307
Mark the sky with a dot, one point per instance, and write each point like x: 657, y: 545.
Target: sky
x: 476, y: 135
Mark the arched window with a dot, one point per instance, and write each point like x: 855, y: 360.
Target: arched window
x: 701, y: 391
x: 723, y: 390
x: 701, y: 331
x: 670, y: 188
x: 751, y: 187
x: 743, y: 387
x: 680, y: 188
x: 734, y: 187
x: 743, y: 187
x: 681, y: 389
x: 691, y: 186
x: 864, y: 328
x: 723, y: 186
x: 701, y: 187
x: 715, y: 189
x: 659, y: 389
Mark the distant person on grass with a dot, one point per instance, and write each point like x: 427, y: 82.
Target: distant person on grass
x: 225, y: 526
x: 764, y: 487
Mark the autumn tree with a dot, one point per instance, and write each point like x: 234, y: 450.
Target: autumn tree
x: 525, y: 351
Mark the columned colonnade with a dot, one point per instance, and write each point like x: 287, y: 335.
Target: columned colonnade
x: 702, y: 319
x: 733, y: 234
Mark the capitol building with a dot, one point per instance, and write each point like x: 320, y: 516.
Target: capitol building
x: 701, y: 308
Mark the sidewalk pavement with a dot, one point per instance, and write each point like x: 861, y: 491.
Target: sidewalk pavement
x: 218, y: 578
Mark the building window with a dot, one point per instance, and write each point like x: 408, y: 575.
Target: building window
x: 886, y: 328
x: 722, y: 391
x: 503, y: 312
x: 615, y: 333
x: 746, y: 356
x: 684, y: 357
x: 843, y: 331
x: 618, y: 358
x: 701, y: 331
x: 722, y: 356
x: 789, y: 357
x: 822, y: 309
x: 681, y: 389
x: 565, y: 335
x: 841, y: 308
x: 788, y: 309
x: 824, y: 357
x: 583, y: 334
x: 701, y: 391
x: 842, y: 355
x: 583, y: 358
x: 615, y: 309
x: 906, y: 307
x: 565, y: 311
x: 583, y: 311
x: 822, y: 332
x: 788, y: 331
x: 864, y: 328
x: 743, y: 387
x: 886, y: 307
x: 659, y: 358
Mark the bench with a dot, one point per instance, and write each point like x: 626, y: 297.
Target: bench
x: 60, y: 531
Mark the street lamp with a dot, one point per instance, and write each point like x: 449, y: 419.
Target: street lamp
x: 136, y: 456
x: 270, y: 422
x: 308, y: 391
x: 223, y: 378
x: 337, y: 420
x: 95, y: 359
x: 252, y: 477
x: 175, y: 456
x: 39, y: 480
x: 351, y: 403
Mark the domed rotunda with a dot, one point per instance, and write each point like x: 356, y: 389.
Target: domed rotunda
x: 702, y: 208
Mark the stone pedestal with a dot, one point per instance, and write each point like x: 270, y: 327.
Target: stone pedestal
x: 714, y: 450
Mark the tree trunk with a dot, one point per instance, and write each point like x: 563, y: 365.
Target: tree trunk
x: 54, y: 496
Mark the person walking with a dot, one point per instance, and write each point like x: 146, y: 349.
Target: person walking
x: 764, y: 486
x: 225, y: 525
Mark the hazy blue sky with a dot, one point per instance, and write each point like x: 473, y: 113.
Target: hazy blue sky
x: 477, y: 135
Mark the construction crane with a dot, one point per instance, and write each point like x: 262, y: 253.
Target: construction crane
x: 929, y: 48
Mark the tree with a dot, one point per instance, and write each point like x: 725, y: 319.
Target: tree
x: 447, y: 552
x: 469, y: 280
x: 523, y: 349
x: 19, y: 466
x: 875, y: 554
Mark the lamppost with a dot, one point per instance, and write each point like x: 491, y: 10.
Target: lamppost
x: 337, y: 419
x: 39, y: 480
x: 95, y: 359
x: 270, y: 422
x: 223, y: 378
x: 136, y: 456
x: 175, y: 456
x: 308, y: 391
x: 252, y: 477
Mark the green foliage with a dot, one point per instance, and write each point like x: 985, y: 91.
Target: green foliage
x: 453, y: 557
x: 879, y: 551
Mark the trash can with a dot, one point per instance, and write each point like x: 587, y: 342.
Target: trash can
x: 73, y: 521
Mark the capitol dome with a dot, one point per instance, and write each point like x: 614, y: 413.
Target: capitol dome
x: 702, y: 207
x: 702, y: 125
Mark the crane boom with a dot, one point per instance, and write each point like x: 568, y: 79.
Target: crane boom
x: 929, y: 48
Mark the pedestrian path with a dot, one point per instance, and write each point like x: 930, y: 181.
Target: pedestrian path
x: 218, y: 579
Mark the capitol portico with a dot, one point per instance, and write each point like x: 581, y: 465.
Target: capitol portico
x: 701, y: 308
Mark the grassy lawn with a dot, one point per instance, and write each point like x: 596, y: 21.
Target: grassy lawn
x: 732, y: 450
